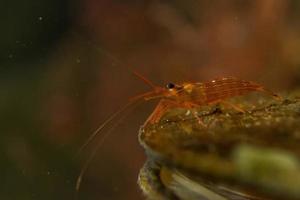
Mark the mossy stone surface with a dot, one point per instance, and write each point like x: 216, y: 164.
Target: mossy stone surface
x: 251, y: 155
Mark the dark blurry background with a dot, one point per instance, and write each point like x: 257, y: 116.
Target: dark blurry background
x: 64, y: 67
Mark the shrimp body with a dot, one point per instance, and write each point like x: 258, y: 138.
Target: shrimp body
x: 191, y: 95
x: 213, y: 91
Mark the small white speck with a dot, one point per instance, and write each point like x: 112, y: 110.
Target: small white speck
x: 213, y: 81
x: 161, y: 126
x: 188, y: 112
x: 40, y: 18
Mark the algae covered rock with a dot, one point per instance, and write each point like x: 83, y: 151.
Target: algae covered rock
x: 251, y: 155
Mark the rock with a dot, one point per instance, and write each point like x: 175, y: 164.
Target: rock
x: 251, y: 155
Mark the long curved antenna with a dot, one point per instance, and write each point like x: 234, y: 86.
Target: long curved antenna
x: 118, y: 61
x: 106, y: 122
x: 148, y: 82
x: 94, y: 152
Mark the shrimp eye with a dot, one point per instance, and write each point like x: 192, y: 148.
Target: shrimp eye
x: 170, y: 85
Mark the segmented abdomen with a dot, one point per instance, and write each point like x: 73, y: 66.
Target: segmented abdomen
x: 223, y: 88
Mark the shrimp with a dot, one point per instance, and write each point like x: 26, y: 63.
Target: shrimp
x: 186, y: 95
x: 193, y: 95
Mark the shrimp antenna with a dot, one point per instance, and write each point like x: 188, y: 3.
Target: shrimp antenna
x: 119, y: 62
x: 92, y: 155
x: 148, y: 82
x: 106, y: 122
x: 132, y: 102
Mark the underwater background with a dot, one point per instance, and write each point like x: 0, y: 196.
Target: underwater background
x: 65, y: 66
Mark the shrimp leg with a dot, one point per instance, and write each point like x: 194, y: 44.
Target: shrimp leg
x: 160, y: 109
x: 192, y: 106
x: 237, y: 108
